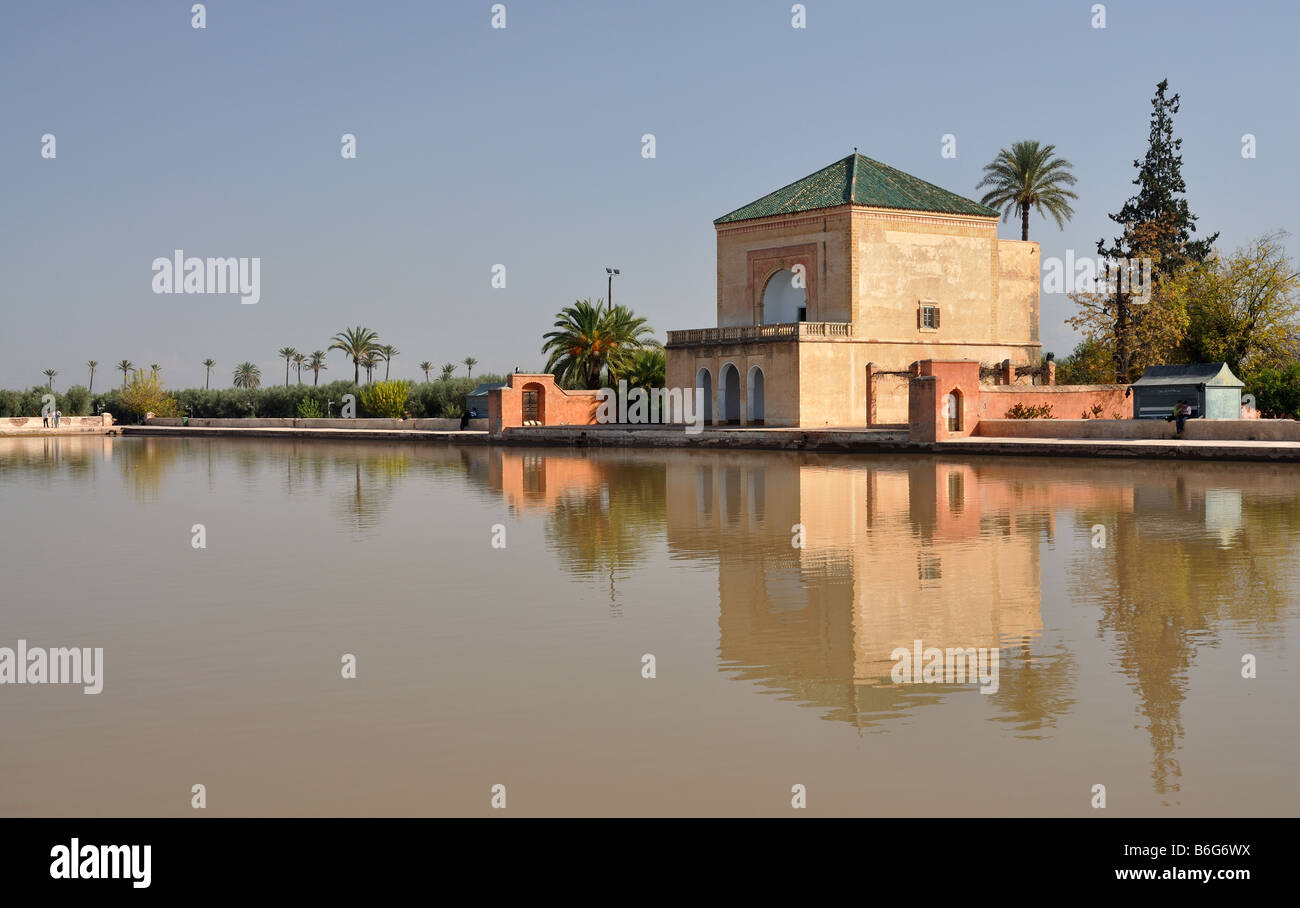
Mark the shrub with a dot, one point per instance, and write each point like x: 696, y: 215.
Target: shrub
x: 1033, y: 411
x: 309, y: 409
x: 78, y: 401
x: 145, y: 394
x: 1277, y: 392
x: 385, y: 399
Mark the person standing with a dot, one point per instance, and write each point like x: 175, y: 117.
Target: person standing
x: 58, y: 414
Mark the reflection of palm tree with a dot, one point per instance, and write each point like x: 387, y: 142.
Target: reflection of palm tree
x: 607, y: 526
x: 370, y: 487
x: 1034, y: 691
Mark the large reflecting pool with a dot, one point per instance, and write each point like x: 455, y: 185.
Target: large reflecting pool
x: 499, y: 603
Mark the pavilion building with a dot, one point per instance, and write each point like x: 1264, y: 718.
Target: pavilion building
x: 830, y: 288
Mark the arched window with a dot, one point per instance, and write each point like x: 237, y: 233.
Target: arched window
x: 704, y: 391
x: 729, y: 386
x: 785, y: 299
x: 754, y: 394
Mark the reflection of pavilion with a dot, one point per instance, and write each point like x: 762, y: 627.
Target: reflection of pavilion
x: 892, y: 554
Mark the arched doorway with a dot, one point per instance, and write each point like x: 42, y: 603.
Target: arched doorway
x: 704, y: 393
x: 952, y: 410
x: 534, y: 404
x: 785, y: 299
x: 729, y: 385
x: 754, y: 395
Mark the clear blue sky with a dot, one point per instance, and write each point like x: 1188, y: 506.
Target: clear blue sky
x: 523, y: 147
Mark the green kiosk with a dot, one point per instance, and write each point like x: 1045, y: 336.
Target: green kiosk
x: 1210, y: 389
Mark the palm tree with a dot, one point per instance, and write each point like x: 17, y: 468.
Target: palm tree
x: 208, y: 364
x: 588, y: 341
x: 247, y: 375
x: 315, y: 363
x: 125, y: 367
x: 356, y: 343
x: 298, y: 360
x: 368, y: 362
x: 154, y: 368
x: 448, y: 370
x: 93, y: 364
x: 1029, y: 175
x: 470, y: 362
x: 426, y: 367
x: 49, y: 378
x: 288, y: 353
x: 386, y: 352
x: 647, y: 368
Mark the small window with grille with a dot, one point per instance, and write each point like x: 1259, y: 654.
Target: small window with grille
x: 927, y: 317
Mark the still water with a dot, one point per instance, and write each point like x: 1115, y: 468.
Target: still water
x: 1121, y: 599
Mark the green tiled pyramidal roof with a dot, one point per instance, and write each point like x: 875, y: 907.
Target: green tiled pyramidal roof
x: 858, y: 180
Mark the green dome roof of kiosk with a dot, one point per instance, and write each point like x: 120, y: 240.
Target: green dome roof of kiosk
x: 858, y: 180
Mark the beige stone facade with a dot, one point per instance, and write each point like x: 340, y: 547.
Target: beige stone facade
x: 879, y: 286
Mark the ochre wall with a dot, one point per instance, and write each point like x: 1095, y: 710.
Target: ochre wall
x: 558, y: 406
x: 751, y: 251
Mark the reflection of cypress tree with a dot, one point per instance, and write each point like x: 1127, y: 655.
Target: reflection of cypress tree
x: 605, y: 528
x: 1170, y: 581
x: 1034, y: 691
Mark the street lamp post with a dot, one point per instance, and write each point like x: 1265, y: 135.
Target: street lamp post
x: 610, y: 295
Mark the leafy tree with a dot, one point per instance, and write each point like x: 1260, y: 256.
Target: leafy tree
x: 207, y: 365
x: 247, y: 375
x: 1029, y: 175
x: 355, y: 343
x: 1092, y: 362
x: 1241, y: 310
x: 92, y: 365
x: 1157, y: 225
x: 1277, y: 391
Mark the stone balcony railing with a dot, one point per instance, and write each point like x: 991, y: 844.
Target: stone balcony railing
x: 742, y: 333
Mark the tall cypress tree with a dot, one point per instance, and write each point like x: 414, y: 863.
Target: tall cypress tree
x: 1157, y: 222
